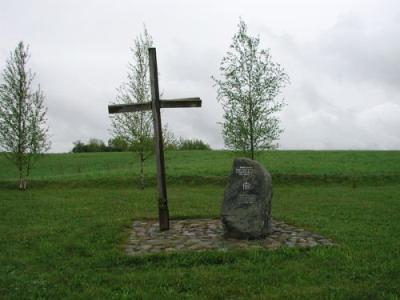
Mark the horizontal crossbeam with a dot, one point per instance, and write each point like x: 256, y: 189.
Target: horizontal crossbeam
x: 166, y: 103
x: 184, y: 102
x: 122, y: 108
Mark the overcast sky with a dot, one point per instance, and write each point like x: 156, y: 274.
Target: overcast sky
x: 343, y: 58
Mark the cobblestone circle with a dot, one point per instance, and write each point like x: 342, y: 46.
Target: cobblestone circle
x: 206, y: 234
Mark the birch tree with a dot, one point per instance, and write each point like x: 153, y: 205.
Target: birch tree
x: 136, y: 127
x: 248, y: 89
x: 23, y: 129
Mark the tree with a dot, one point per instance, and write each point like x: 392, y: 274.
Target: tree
x: 118, y: 144
x: 136, y: 127
x: 79, y: 147
x: 248, y: 92
x: 170, y: 142
x: 23, y: 129
x: 193, y: 144
x: 96, y: 145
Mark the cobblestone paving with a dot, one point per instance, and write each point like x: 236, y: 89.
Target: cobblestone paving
x: 206, y: 234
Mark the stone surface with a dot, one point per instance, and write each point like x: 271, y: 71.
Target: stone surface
x: 246, y: 209
x: 207, y: 234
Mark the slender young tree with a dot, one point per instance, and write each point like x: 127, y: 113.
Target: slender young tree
x: 23, y: 129
x: 248, y: 92
x: 136, y: 127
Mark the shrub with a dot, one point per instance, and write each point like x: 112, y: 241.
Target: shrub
x: 192, y: 144
x: 94, y: 145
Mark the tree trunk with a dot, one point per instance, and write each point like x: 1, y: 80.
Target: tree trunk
x: 251, y: 131
x: 22, y: 182
x: 251, y: 116
x: 251, y: 138
x: 21, y: 174
x: 28, y: 167
x: 142, y: 170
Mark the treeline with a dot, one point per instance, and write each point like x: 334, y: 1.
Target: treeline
x: 121, y: 145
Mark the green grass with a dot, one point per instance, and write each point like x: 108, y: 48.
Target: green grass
x: 64, y: 237
x: 298, y: 165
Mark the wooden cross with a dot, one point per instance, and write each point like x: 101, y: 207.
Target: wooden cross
x: 155, y: 105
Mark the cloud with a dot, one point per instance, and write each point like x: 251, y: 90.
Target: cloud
x: 342, y: 57
x: 345, y: 85
x: 358, y: 50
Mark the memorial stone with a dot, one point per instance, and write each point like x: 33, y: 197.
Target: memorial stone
x: 246, y: 209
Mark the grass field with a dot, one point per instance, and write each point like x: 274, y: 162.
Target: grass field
x: 212, y: 166
x: 64, y: 237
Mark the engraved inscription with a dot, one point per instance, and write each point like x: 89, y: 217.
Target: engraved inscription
x: 246, y: 198
x: 244, y: 171
x: 246, y: 186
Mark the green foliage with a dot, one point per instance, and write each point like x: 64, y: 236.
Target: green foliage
x: 170, y: 142
x: 192, y: 144
x: 248, y: 92
x: 94, y: 145
x: 118, y: 144
x: 79, y: 147
x: 136, y: 127
x: 23, y: 129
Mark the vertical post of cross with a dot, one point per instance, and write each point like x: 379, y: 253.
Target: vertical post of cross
x: 163, y: 212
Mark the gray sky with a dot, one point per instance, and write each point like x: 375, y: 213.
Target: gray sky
x: 343, y: 58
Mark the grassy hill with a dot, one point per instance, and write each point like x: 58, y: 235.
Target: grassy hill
x: 64, y: 237
x: 206, y: 166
